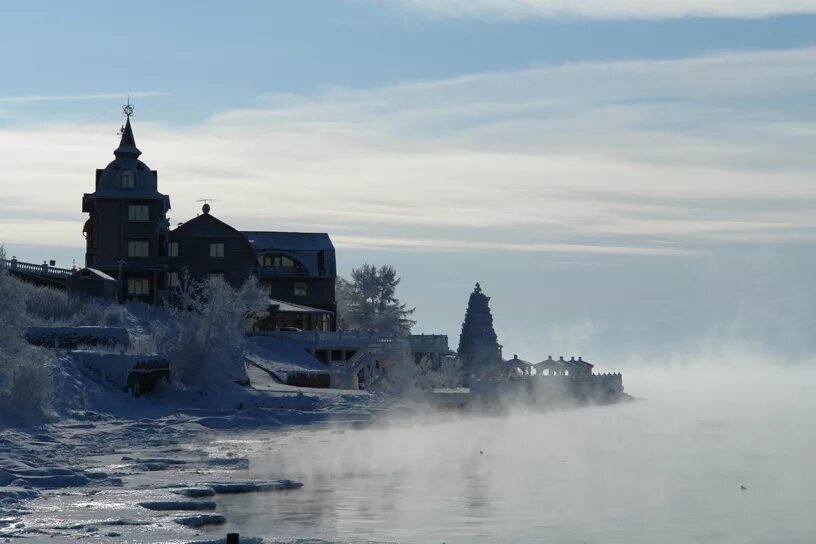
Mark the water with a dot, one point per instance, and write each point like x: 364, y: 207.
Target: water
x: 666, y: 469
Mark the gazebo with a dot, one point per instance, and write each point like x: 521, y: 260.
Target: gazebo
x: 551, y: 367
x: 579, y: 367
x: 516, y: 367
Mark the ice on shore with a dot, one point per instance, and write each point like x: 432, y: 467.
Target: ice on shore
x: 202, y: 519
x: 252, y: 487
x: 195, y: 492
x: 178, y: 505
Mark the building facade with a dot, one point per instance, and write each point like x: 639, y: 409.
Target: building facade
x: 128, y: 237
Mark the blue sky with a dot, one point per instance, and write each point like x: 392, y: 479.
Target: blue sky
x: 622, y: 179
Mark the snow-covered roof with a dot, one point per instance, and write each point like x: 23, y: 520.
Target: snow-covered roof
x: 84, y: 272
x: 289, y: 241
x: 292, y: 308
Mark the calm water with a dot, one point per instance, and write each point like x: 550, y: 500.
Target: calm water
x: 665, y: 469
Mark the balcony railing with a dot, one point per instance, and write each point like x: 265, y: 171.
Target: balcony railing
x: 38, y: 269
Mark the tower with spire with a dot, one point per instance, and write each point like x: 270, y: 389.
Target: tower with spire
x: 479, y: 348
x: 127, y: 229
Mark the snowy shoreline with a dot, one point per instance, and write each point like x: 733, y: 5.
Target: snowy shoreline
x: 126, y: 446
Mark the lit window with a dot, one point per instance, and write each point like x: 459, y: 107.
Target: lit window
x: 138, y: 287
x: 173, y: 249
x: 300, y: 289
x: 138, y: 248
x: 127, y: 180
x: 173, y: 279
x: 217, y: 250
x: 138, y: 213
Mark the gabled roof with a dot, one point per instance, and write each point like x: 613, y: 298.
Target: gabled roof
x: 520, y: 363
x: 289, y: 241
x: 207, y: 217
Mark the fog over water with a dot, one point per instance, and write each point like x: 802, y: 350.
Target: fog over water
x: 668, y: 468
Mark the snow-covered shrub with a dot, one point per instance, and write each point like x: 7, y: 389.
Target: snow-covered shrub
x: 52, y: 307
x: 445, y: 374
x: 205, y: 340
x: 48, y: 306
x: 25, y: 371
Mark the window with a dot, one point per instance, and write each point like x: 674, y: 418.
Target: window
x: 276, y: 260
x: 138, y: 287
x: 216, y: 276
x: 266, y: 288
x: 173, y: 249
x: 217, y: 250
x: 127, y: 180
x: 138, y: 213
x: 173, y: 280
x: 300, y: 289
x: 138, y: 248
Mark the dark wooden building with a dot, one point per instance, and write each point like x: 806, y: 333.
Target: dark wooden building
x: 298, y: 268
x: 127, y: 229
x: 128, y: 238
x: 206, y: 246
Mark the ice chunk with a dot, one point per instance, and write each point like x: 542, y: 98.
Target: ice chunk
x: 202, y: 519
x: 251, y: 487
x: 195, y: 492
x: 178, y: 505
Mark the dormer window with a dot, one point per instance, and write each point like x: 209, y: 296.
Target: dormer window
x: 127, y: 180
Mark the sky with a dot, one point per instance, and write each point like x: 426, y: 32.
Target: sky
x: 624, y: 178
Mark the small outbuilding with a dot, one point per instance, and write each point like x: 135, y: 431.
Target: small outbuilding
x: 93, y: 283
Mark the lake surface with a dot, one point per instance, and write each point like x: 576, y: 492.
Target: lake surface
x: 668, y: 468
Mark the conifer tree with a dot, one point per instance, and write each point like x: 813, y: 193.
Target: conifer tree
x: 369, y: 302
x: 479, y: 349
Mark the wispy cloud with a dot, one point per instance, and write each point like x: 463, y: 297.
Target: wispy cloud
x: 637, y: 157
x: 610, y: 9
x: 76, y: 97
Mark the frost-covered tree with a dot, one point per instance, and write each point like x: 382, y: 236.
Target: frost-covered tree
x: 479, y: 349
x: 25, y: 371
x: 368, y: 301
x: 206, y: 337
x: 430, y: 374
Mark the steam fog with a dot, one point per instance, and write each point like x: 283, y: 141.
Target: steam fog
x: 668, y: 468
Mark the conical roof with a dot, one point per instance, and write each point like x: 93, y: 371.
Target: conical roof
x: 127, y: 145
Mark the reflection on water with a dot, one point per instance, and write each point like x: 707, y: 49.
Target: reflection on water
x: 666, y: 469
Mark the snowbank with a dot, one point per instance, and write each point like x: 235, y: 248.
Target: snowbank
x: 139, y: 373
x: 287, y: 361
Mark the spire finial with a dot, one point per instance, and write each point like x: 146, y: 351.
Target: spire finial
x: 127, y: 145
x: 127, y: 109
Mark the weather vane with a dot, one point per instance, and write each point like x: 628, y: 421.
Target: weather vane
x: 127, y: 109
